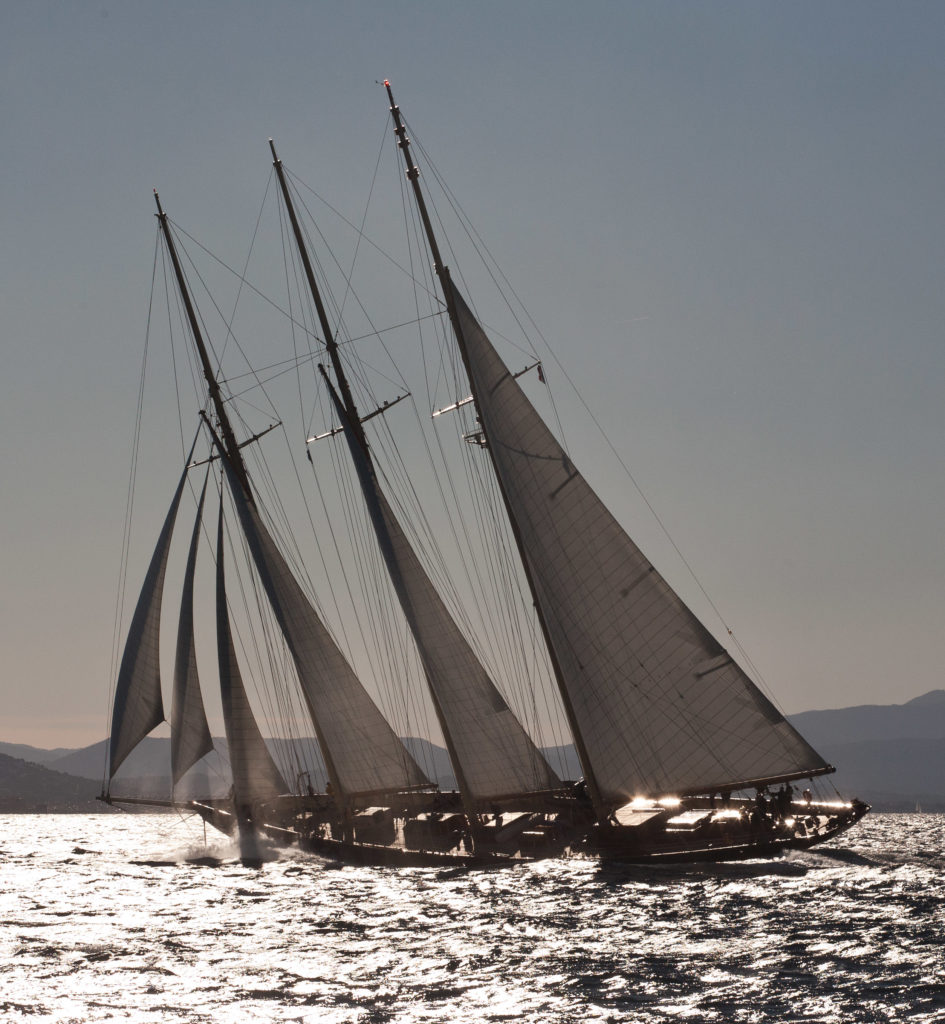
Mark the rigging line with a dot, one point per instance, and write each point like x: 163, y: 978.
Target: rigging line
x: 129, y: 508
x: 504, y: 289
x: 424, y: 542
x: 242, y: 276
x: 295, y: 342
x: 310, y: 332
x: 408, y: 218
x: 349, y: 290
x: 300, y: 183
x: 337, y: 310
x: 229, y: 331
x: 273, y: 698
x: 416, y: 298
x: 390, y: 642
x: 420, y: 243
x: 284, y: 366
x: 258, y: 292
x: 328, y: 522
x: 360, y: 232
x: 496, y: 545
x: 666, y: 533
x: 482, y: 250
x: 185, y: 332
x: 167, y: 294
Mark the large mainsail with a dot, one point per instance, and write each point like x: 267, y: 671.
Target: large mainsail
x: 138, y: 706
x: 361, y: 751
x: 660, y: 705
x: 494, y: 755
x: 190, y: 734
x: 255, y: 775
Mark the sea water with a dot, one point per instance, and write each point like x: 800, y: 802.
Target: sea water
x: 102, y: 918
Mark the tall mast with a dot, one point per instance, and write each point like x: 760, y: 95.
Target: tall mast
x: 350, y: 413
x: 443, y: 273
x: 230, y: 447
x: 330, y: 344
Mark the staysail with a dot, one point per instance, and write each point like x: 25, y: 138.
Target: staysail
x: 361, y: 751
x: 494, y: 754
x: 255, y: 775
x: 190, y: 734
x: 138, y: 706
x: 661, y: 707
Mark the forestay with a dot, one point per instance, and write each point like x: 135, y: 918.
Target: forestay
x: 660, y: 705
x: 361, y: 751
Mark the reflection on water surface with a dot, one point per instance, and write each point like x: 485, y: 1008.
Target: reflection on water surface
x: 102, y: 918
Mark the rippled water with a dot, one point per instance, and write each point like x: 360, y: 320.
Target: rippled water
x: 93, y: 927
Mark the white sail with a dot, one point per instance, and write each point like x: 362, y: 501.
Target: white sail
x: 255, y: 775
x: 190, y: 734
x: 138, y: 706
x: 495, y: 756
x: 361, y: 751
x: 659, y: 704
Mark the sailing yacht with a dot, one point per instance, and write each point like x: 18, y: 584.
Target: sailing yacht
x: 679, y: 749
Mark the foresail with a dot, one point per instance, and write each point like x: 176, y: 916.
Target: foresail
x: 138, y: 706
x: 660, y: 705
x: 255, y: 775
x: 190, y: 734
x: 360, y: 748
x: 494, y: 753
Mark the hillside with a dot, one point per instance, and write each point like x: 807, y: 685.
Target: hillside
x: 29, y: 787
x: 892, y: 756
x: 920, y: 718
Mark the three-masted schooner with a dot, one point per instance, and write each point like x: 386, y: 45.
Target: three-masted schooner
x: 677, y: 746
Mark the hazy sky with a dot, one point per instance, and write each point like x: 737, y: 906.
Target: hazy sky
x: 726, y: 218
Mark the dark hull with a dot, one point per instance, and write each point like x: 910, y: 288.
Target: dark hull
x: 655, y: 844
x: 372, y: 855
x: 693, y: 851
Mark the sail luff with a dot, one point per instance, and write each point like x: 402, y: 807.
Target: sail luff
x: 255, y: 775
x: 491, y: 752
x: 190, y: 733
x: 138, y: 705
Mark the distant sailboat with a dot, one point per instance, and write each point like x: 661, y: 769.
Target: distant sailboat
x: 669, y: 730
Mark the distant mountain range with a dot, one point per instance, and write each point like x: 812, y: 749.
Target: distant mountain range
x: 892, y: 756
x: 29, y: 788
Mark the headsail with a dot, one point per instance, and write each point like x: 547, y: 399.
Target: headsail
x: 494, y: 754
x: 138, y: 706
x: 361, y: 751
x: 660, y: 704
x: 190, y: 734
x: 255, y: 775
